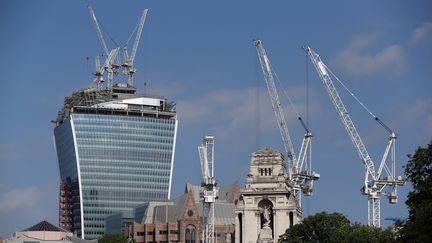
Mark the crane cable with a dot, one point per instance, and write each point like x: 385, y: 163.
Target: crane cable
x: 289, y: 99
x: 358, y: 100
x: 133, y: 32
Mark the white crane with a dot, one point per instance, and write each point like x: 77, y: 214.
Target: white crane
x: 300, y: 172
x: 374, y: 182
x: 129, y: 59
x: 111, y: 56
x: 209, y: 191
x: 108, y: 66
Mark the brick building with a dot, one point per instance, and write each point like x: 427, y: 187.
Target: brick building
x: 179, y: 220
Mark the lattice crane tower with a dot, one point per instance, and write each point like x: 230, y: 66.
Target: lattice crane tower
x: 300, y: 174
x: 374, y: 182
x: 209, y: 192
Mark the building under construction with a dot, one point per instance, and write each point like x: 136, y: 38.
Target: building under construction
x: 115, y: 150
x: 115, y: 147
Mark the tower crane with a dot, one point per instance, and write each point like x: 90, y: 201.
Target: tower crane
x: 375, y: 183
x: 111, y: 56
x: 209, y: 192
x: 99, y: 70
x: 300, y: 174
x: 129, y: 59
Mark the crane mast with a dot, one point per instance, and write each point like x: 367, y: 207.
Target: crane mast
x: 129, y: 59
x: 277, y: 106
x: 209, y: 191
x: 98, y: 30
x: 300, y: 174
x: 374, y: 183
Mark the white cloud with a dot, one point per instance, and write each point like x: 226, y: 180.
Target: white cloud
x: 422, y: 34
x: 9, y: 152
x: 418, y: 116
x: 234, y: 112
x: 419, y: 109
x: 356, y: 60
x: 19, y: 199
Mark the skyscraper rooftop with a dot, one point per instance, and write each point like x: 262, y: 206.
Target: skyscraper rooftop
x: 118, y: 99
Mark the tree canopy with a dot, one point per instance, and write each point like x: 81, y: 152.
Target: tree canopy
x: 334, y: 227
x: 418, y: 226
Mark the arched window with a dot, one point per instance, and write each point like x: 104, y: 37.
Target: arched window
x: 190, y: 234
x: 291, y: 218
x: 193, y: 235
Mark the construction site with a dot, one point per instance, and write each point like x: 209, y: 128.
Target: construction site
x: 215, y: 121
x: 271, y: 200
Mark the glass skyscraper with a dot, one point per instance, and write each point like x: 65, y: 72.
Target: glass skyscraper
x: 115, y: 151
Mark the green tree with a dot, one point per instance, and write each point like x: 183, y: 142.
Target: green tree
x: 418, y: 226
x: 334, y: 227
x: 112, y: 239
x: 362, y: 233
x: 321, y: 227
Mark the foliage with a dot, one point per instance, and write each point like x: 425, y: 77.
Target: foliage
x: 334, y: 227
x: 418, y: 227
x: 112, y: 239
x: 363, y: 233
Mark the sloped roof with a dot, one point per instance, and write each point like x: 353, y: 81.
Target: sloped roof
x: 165, y: 213
x: 224, y: 213
x: 45, y: 226
x: 195, y: 191
x: 226, y: 193
x: 149, y: 214
x: 173, y: 210
x: 180, y: 203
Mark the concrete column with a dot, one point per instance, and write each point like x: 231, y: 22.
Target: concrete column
x: 237, y: 228
x: 281, y: 222
x: 251, y: 227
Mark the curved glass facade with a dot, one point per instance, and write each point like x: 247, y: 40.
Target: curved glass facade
x: 122, y: 161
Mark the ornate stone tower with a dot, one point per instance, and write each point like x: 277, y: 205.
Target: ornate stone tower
x: 267, y: 206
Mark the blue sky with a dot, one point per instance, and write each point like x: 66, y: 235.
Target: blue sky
x: 200, y: 55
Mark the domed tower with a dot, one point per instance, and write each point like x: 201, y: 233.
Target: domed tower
x: 267, y: 206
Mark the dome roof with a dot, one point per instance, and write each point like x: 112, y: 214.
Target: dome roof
x: 45, y: 226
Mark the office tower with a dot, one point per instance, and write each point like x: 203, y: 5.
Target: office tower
x: 115, y: 151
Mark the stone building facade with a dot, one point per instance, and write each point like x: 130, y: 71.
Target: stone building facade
x: 267, y: 206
